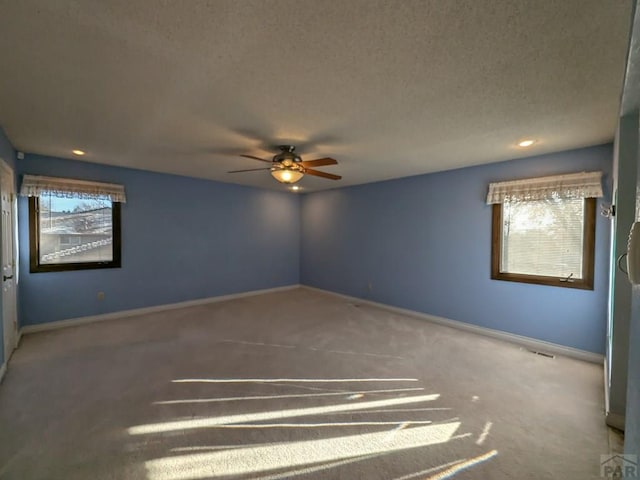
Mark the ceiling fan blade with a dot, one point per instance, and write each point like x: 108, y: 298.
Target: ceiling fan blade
x: 249, y: 170
x: 318, y: 173
x: 321, y: 162
x: 256, y: 158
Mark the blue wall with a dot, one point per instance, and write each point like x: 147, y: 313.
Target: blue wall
x: 8, y: 154
x: 424, y: 244
x: 182, y: 239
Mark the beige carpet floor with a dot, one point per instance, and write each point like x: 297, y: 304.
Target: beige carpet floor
x: 294, y: 384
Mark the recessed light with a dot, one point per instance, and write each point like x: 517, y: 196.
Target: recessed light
x: 295, y: 188
x: 78, y: 152
x: 526, y: 143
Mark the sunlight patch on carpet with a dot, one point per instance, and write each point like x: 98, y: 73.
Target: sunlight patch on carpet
x: 272, y: 415
x: 294, y: 454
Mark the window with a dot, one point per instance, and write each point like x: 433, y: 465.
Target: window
x: 543, y: 230
x: 73, y: 225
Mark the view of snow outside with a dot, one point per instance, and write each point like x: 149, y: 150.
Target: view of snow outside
x: 75, y: 230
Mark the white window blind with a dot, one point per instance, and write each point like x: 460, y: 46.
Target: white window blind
x: 543, y: 237
x: 34, y: 186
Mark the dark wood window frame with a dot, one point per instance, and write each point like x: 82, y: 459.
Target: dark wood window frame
x: 588, y: 253
x: 34, y: 244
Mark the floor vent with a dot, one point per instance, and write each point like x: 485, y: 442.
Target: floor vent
x: 543, y: 354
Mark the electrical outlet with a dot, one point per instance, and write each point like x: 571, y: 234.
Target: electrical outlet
x: 370, y: 286
x: 100, y: 295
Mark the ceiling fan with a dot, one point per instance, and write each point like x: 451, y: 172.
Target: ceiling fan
x: 288, y: 167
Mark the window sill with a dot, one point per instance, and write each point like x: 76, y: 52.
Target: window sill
x: 582, y: 284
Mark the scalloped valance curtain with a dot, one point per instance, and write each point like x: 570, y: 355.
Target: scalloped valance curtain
x: 34, y: 185
x: 573, y: 185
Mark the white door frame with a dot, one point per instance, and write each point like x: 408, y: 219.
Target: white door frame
x: 10, y: 325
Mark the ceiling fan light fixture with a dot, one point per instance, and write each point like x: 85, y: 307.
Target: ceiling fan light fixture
x: 286, y: 175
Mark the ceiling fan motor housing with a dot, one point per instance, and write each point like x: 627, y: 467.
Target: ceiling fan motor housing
x: 287, y: 157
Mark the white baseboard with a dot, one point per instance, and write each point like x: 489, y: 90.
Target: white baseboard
x: 72, y: 322
x: 615, y: 420
x: 3, y: 370
x: 606, y: 386
x: 532, y: 343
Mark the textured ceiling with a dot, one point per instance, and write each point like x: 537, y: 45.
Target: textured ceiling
x: 388, y: 88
